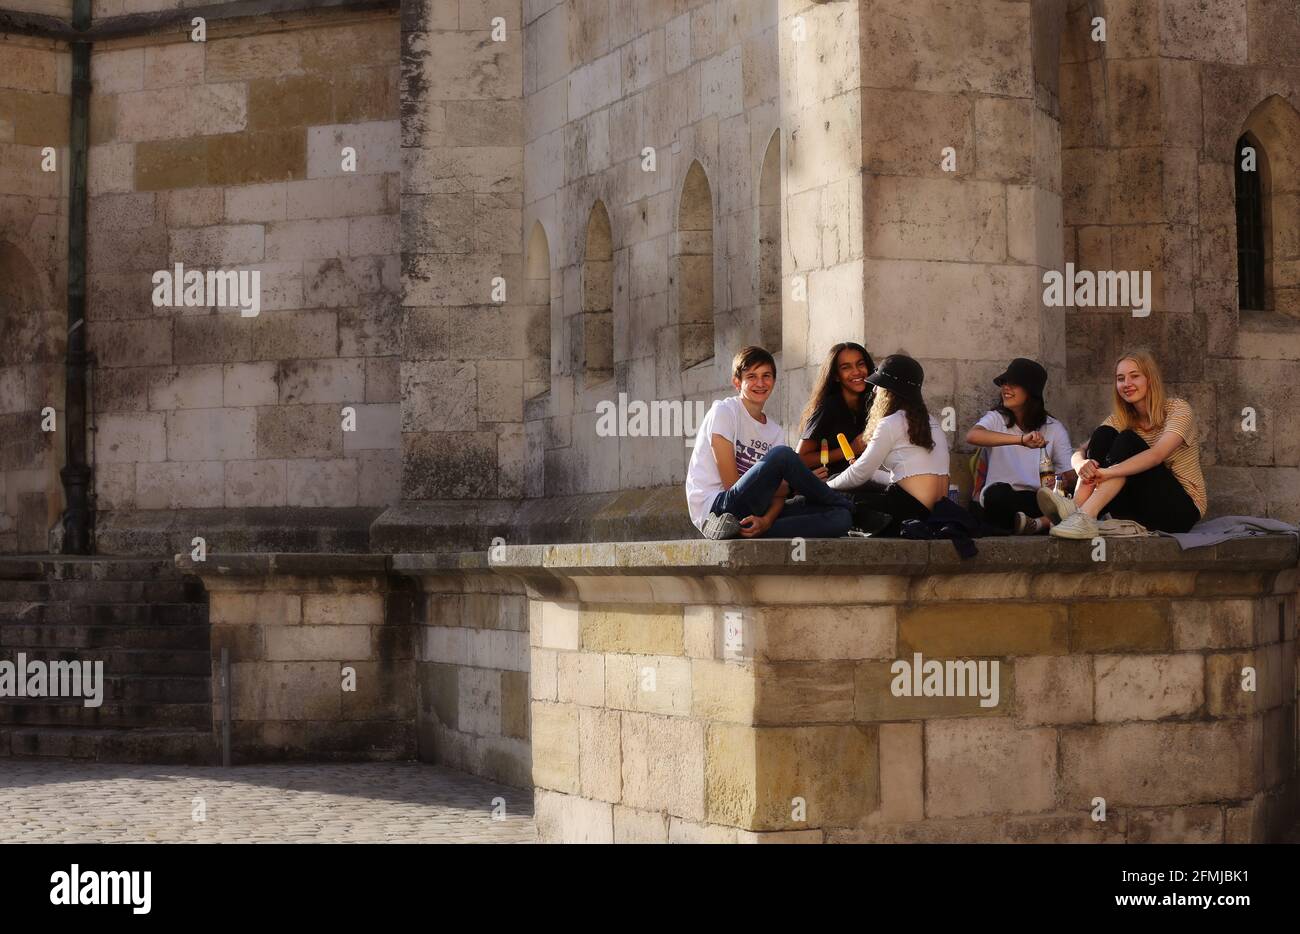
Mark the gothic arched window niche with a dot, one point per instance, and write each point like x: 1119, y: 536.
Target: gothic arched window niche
x: 1266, y: 167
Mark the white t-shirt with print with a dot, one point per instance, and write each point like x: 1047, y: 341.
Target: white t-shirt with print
x: 1016, y: 464
x: 750, y: 440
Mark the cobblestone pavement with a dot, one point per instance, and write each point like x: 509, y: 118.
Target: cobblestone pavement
x: 55, y: 801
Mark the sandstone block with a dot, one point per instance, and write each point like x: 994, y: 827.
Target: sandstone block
x: 1203, y: 824
x: 563, y: 818
x: 581, y: 680
x: 1054, y: 689
x: 299, y: 431
x: 957, y: 630
x: 293, y: 335
x: 181, y: 113
x: 285, y: 691
x: 479, y: 705
x: 310, y: 643
x: 543, y: 674
x: 358, y: 609
x: 1120, y: 626
x: 245, y: 384
x: 662, y: 764
x: 322, y: 483
x: 634, y: 826
x: 171, y: 65
x: 793, y: 633
x: 985, y: 767
x: 722, y: 691
x: 658, y: 684
x: 256, y: 483
x: 555, y: 746
x: 600, y: 755
x: 1148, y: 687
x: 211, y: 434
x: 1158, y: 763
x: 645, y: 630
x: 754, y: 775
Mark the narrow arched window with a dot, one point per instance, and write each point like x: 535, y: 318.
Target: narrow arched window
x: 769, y: 247
x: 1251, y: 245
x: 596, y: 322
x: 537, y: 365
x: 693, y: 269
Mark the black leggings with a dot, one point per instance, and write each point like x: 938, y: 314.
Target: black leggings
x: 1154, y: 497
x: 899, y: 504
x: 1002, y: 502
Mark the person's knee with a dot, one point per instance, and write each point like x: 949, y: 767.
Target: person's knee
x: 1100, y: 442
x: 997, y: 494
x: 782, y: 453
x: 1127, y: 443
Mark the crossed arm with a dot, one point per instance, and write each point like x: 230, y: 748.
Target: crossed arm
x: 1091, y: 472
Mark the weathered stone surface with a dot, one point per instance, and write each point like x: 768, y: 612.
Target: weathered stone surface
x: 982, y: 767
x: 1157, y: 763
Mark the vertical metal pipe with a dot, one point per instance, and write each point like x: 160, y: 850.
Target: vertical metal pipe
x: 78, y: 519
x: 225, y: 707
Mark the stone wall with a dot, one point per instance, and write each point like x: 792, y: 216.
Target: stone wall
x: 227, y: 155
x: 1150, y: 120
x: 1119, y: 680
x: 296, y: 629
x: 35, y: 82
x: 472, y: 669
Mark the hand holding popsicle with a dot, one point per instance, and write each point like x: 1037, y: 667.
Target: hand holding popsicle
x: 846, y: 448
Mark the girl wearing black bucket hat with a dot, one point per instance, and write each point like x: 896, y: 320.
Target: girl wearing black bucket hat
x: 1015, y: 430
x: 904, y: 442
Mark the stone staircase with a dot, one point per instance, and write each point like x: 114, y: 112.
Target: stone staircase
x: 149, y: 626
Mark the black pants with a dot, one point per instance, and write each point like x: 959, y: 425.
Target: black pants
x: 895, y: 501
x: 1002, y: 502
x: 1154, y: 497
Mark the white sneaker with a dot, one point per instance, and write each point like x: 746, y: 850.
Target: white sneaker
x: 1055, y: 506
x: 721, y: 525
x: 1077, y: 525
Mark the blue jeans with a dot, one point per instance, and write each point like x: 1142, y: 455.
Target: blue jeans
x: 817, y: 512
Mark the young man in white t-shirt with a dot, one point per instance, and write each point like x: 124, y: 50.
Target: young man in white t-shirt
x: 741, y: 469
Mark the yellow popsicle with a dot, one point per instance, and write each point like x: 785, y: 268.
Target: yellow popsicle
x: 846, y: 448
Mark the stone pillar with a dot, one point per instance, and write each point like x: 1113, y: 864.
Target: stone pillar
x: 960, y: 201
x: 821, y: 78
x: 463, y: 350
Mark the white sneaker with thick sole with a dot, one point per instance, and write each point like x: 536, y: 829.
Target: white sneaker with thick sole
x: 1055, y: 506
x: 1077, y: 525
x: 721, y: 525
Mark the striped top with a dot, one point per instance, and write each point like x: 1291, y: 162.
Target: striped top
x: 1185, y: 462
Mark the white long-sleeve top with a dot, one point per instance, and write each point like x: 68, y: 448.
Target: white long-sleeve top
x: 891, y: 448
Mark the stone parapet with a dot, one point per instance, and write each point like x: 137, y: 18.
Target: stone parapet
x: 738, y: 691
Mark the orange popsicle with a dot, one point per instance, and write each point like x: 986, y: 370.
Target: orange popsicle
x: 826, y: 453
x: 846, y: 448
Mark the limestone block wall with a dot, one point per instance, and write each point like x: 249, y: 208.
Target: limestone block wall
x: 673, y: 278
x: 1150, y: 120
x: 657, y: 718
x: 472, y: 673
x: 293, y: 631
x: 228, y: 155
x: 465, y: 342
x: 35, y: 81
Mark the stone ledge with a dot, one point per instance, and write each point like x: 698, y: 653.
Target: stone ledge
x: 650, y: 514
x: 300, y: 529
x: 891, y: 556
x: 296, y: 564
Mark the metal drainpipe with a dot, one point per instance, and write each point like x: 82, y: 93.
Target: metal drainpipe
x: 78, y: 517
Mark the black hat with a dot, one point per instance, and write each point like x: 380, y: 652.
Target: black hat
x: 1027, y: 374
x: 901, y: 375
